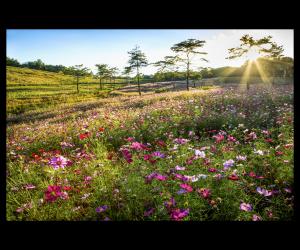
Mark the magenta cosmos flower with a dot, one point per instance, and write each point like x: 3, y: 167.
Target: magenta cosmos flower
x: 204, y: 192
x: 53, y: 193
x: 178, y: 214
x: 127, y: 155
x: 246, y: 207
x: 59, y: 162
x: 160, y: 177
x: 186, y: 187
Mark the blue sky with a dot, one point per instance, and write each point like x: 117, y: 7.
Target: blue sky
x: 90, y: 47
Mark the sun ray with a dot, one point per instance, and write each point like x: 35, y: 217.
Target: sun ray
x: 261, y: 72
x: 229, y: 71
x: 245, y: 76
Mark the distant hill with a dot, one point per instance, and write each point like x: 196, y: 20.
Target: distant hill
x: 30, y: 89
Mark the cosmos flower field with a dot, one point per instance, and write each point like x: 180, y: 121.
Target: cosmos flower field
x: 219, y: 154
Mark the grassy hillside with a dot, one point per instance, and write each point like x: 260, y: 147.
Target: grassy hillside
x: 29, y: 89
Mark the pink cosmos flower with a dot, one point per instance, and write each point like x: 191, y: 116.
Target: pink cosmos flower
x: 269, y: 140
x: 241, y: 158
x: 180, y: 177
x: 218, y: 138
x: 138, y: 146
x: 29, y: 186
x: 59, y: 162
x: 25, y: 206
x: 231, y: 138
x: 264, y: 192
x: 150, y: 177
x: 252, y: 174
x: 246, y: 207
x: 256, y: 217
x: 218, y: 176
x: 253, y: 135
x: 88, y: 178
x: 212, y: 170
x: 191, y: 133
x: 204, y: 192
x: 64, y: 196
x: 233, y: 177
x: 181, y: 141
x: 130, y: 139
x: 187, y: 187
x: 265, y: 132
x: 288, y: 190
x: 66, y: 145
x: 178, y: 214
x: 156, y: 176
x: 179, y: 168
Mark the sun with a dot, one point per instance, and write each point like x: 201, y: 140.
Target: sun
x: 252, y: 55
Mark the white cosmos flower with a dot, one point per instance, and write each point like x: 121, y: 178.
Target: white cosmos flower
x: 199, y: 153
x: 259, y: 152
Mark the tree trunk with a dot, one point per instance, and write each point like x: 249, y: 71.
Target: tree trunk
x: 248, y: 85
x: 77, y: 84
x: 100, y: 83
x: 138, y: 80
x: 173, y: 81
x: 188, y: 75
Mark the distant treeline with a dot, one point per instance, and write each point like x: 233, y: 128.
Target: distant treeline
x: 283, y: 67
x: 39, y: 65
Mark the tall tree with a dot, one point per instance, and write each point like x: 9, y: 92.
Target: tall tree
x: 168, y: 64
x: 264, y: 46
x: 126, y: 73
x: 185, y: 51
x: 113, y: 72
x: 102, y: 72
x: 137, y: 59
x: 79, y: 71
